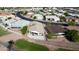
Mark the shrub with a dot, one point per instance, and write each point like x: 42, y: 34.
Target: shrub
x: 72, y: 35
x: 66, y: 14
x: 24, y: 30
x: 62, y: 18
x: 71, y: 23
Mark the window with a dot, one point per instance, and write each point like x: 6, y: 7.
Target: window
x: 53, y: 19
x: 33, y: 33
x: 48, y: 18
x: 6, y: 25
x: 40, y: 34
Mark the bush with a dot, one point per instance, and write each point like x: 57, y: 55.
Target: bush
x: 71, y: 23
x: 66, y: 14
x: 72, y: 35
x: 62, y: 18
x: 9, y: 18
x: 24, y: 30
x: 34, y: 17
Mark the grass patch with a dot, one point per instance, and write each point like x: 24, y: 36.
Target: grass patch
x: 63, y: 49
x: 29, y: 46
x: 3, y: 32
x: 51, y: 36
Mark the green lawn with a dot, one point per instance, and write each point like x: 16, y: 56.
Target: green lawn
x: 63, y: 49
x: 29, y: 46
x: 3, y: 32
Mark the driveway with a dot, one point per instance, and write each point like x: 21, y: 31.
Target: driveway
x: 58, y: 43
x: 9, y: 37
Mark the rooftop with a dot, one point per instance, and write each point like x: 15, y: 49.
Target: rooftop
x: 36, y: 26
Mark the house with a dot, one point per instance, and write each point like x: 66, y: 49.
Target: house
x: 30, y: 14
x: 52, y: 18
x: 36, y: 31
x: 6, y: 15
x: 13, y: 23
x: 38, y: 17
x: 55, y: 29
x: 72, y: 18
x: 37, y: 8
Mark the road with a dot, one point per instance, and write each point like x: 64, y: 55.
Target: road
x: 45, y: 22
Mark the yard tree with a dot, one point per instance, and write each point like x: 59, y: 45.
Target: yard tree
x: 24, y: 30
x: 34, y: 17
x: 66, y: 14
x: 62, y: 18
x: 25, y: 13
x: 11, y: 42
x: 72, y: 35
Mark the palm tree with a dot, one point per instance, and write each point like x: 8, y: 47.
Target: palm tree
x: 11, y: 42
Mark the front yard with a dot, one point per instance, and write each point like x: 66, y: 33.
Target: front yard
x: 3, y: 32
x: 29, y: 46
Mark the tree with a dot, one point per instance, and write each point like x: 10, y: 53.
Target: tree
x: 66, y: 14
x: 62, y: 18
x: 21, y: 12
x: 34, y: 17
x: 2, y: 8
x: 11, y: 42
x: 25, y: 13
x: 9, y: 18
x: 24, y: 30
x: 44, y: 18
x: 72, y: 35
x: 71, y: 23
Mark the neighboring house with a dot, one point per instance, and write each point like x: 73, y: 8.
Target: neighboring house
x: 6, y: 15
x: 13, y: 23
x: 36, y: 31
x: 55, y: 29
x: 30, y: 14
x: 37, y: 8
x: 72, y: 18
x: 52, y: 18
x: 38, y: 17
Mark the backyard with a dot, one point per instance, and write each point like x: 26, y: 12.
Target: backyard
x: 29, y: 46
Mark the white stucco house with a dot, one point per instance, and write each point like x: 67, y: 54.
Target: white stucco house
x: 36, y: 31
x: 38, y: 16
x: 13, y: 23
x: 52, y: 18
x: 5, y: 16
x: 30, y: 14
